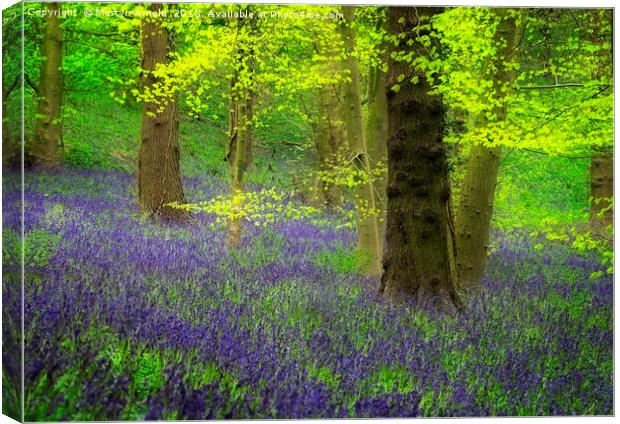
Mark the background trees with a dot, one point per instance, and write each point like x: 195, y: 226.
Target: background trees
x: 299, y: 105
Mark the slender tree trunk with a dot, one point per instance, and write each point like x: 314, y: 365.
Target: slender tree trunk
x: 329, y: 140
x: 376, y: 137
x: 240, y: 139
x: 240, y: 142
x: 419, y: 256
x: 47, y: 130
x: 368, y: 234
x: 478, y: 189
x: 159, y: 172
x: 601, y: 188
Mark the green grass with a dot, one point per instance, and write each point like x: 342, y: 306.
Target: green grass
x: 341, y: 260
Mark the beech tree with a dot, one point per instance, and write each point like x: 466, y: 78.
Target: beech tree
x: 242, y: 99
x: 159, y: 175
x: 473, y: 220
x: 419, y: 259
x: 47, y: 132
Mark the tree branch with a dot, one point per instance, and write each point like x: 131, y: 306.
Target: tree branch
x: 544, y: 87
x: 540, y: 152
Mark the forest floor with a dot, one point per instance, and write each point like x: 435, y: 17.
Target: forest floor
x: 129, y: 320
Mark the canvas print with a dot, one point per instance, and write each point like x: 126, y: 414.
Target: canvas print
x: 263, y: 211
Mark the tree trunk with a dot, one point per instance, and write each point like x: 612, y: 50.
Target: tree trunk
x: 240, y: 139
x: 159, y: 173
x: 477, y: 198
x: 47, y: 130
x: 329, y: 140
x: 420, y: 250
x: 368, y: 235
x: 376, y: 137
x: 601, y: 188
x: 242, y: 100
x: 473, y: 221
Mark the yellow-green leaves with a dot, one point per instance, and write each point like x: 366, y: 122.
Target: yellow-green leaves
x: 266, y: 207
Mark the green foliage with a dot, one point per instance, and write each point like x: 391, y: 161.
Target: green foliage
x: 341, y: 170
x: 265, y: 207
x: 548, y: 197
x: 559, y: 105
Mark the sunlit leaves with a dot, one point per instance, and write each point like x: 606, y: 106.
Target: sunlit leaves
x: 267, y: 206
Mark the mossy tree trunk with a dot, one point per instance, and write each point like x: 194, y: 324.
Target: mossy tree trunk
x: 368, y: 234
x: 419, y: 255
x: 473, y: 220
x: 159, y: 172
x: 47, y: 131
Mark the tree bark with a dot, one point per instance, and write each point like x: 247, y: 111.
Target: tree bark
x: 478, y: 189
x: 376, y: 136
x: 419, y: 256
x: 48, y: 131
x: 368, y: 235
x: 159, y: 172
